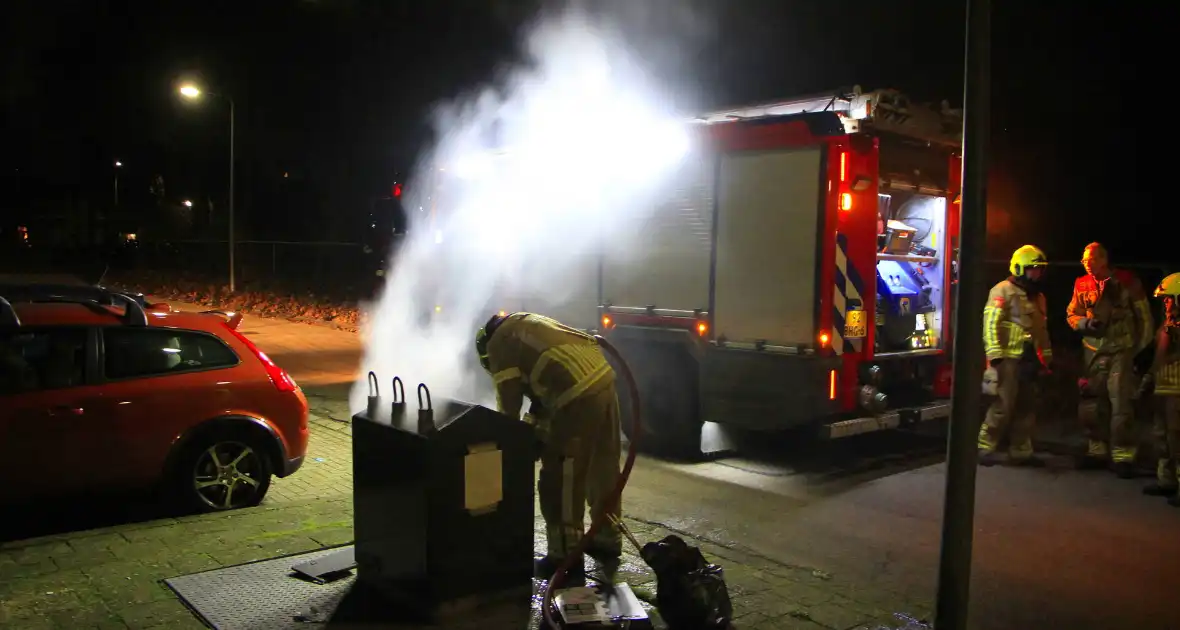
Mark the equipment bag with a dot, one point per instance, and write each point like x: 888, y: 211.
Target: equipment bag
x: 690, y: 592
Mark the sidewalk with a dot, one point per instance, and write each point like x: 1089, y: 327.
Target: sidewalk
x: 110, y: 578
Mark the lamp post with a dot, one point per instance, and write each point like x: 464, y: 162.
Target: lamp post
x: 958, y: 515
x: 192, y: 93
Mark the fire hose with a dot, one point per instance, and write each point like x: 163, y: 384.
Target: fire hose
x: 600, y: 518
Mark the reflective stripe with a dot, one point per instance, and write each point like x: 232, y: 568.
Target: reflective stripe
x: 583, y: 362
x: 577, y: 390
x: 991, y: 338
x: 1123, y: 454
x: 506, y: 375
x: 1096, y: 449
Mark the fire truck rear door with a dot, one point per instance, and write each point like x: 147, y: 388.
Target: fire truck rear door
x: 767, y: 231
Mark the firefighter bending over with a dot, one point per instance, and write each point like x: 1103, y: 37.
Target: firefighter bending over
x: 1016, y: 341
x: 571, y: 386
x: 1109, y: 308
x: 1163, y: 380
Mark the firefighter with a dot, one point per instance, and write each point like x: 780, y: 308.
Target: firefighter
x: 1109, y: 308
x: 1162, y: 382
x: 1016, y: 341
x: 571, y: 388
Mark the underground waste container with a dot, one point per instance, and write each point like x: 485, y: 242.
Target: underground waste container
x: 442, y: 502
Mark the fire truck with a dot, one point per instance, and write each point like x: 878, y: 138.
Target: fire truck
x: 801, y: 273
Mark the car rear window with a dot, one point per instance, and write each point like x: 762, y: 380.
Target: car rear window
x: 139, y: 352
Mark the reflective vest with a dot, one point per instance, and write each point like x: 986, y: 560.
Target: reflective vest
x: 1167, y: 367
x: 550, y: 363
x: 1011, y: 319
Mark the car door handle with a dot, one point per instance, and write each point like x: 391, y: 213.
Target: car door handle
x: 66, y: 410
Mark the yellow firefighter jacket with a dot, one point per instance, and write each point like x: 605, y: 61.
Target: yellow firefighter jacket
x: 1120, y: 304
x: 1166, y: 366
x: 1013, y: 317
x: 550, y: 363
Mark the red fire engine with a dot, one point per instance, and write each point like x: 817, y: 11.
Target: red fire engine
x: 801, y: 273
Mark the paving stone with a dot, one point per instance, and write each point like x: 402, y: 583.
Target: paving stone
x: 838, y: 613
x: 84, y: 617
x: 333, y: 536
x: 155, y: 614
x: 187, y: 562
x: 15, y: 572
x: 88, y: 558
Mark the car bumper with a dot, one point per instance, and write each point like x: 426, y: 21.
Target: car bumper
x: 291, y: 465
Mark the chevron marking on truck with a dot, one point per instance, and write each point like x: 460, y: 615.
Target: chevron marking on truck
x: 849, y: 286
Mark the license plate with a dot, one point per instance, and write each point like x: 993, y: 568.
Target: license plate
x: 854, y: 325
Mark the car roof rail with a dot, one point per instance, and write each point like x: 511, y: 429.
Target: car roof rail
x: 133, y: 313
x: 33, y: 292
x: 8, y: 316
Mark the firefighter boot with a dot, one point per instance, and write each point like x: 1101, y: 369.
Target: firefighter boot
x: 988, y: 458
x: 1124, y: 470
x: 1157, y: 490
x: 1174, y: 501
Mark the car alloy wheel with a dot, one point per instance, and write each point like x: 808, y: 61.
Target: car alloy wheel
x: 229, y: 475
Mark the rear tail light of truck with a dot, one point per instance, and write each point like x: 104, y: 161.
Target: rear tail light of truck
x: 607, y: 322
x: 702, y: 328
x: 282, y: 381
x: 824, y: 338
x: 832, y: 385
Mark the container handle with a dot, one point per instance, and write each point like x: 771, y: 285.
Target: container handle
x: 374, y: 390
x: 422, y: 388
x: 398, y: 387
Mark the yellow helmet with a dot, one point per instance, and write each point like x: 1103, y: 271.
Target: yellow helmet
x: 1025, y: 257
x: 1169, y: 286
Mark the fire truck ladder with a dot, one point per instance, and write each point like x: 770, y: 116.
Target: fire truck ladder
x: 880, y: 110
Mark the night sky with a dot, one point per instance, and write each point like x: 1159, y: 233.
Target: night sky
x: 335, y: 94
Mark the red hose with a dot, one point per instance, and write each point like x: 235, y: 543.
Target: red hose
x: 598, y: 520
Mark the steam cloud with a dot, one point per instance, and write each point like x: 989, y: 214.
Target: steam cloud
x: 526, y: 185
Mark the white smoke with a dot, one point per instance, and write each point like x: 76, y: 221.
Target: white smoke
x: 526, y: 185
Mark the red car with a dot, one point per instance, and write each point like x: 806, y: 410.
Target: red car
x: 108, y: 395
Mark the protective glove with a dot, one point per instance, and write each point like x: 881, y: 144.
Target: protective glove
x: 1093, y: 327
x: 991, y: 382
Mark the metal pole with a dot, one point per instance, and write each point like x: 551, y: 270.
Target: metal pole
x: 116, y: 189
x: 954, y: 570
x: 232, y: 287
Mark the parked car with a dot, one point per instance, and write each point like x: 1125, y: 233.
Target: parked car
x: 101, y: 397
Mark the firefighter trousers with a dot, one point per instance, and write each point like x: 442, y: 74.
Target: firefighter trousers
x: 1110, y: 433
x: 1012, y: 414
x: 579, y: 468
x: 1166, y: 431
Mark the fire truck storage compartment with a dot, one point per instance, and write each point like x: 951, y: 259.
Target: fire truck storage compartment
x: 911, y: 254
x: 768, y: 210
x: 664, y: 262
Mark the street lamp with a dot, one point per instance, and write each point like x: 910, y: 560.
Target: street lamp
x: 187, y: 203
x: 118, y: 165
x: 192, y: 93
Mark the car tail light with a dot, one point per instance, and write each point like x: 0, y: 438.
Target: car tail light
x: 282, y: 381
